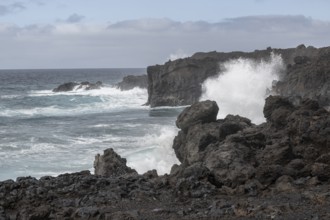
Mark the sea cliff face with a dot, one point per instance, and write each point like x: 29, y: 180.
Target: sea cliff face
x: 307, y: 78
x: 179, y: 82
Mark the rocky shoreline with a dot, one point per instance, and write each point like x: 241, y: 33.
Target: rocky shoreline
x: 230, y: 169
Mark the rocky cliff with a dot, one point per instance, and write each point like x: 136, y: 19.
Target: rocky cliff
x: 132, y: 81
x: 307, y: 78
x: 230, y: 169
x: 179, y: 82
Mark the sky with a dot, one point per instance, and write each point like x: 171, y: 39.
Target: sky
x: 138, y: 33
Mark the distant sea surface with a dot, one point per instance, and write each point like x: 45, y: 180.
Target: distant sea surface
x: 46, y: 133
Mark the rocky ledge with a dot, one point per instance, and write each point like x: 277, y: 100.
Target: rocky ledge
x: 230, y: 169
x: 131, y: 81
x: 70, y: 86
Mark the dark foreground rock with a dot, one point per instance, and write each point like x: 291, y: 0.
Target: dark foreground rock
x: 132, y: 81
x: 70, y: 86
x: 179, y: 82
x: 230, y: 169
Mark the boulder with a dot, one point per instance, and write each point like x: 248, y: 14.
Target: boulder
x: 201, y: 112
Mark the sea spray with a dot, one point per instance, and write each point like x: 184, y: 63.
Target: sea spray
x: 159, y: 155
x: 242, y: 86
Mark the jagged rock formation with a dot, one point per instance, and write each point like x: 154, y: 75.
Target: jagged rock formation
x: 70, y: 86
x: 307, y: 78
x: 293, y: 145
x: 131, y: 81
x: 111, y: 164
x: 231, y: 169
x: 179, y: 82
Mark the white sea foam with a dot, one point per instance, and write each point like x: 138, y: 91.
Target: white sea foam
x: 110, y: 99
x: 143, y: 153
x: 241, y: 88
x: 9, y: 96
x: 158, y: 153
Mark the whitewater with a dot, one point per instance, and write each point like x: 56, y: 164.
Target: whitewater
x: 241, y: 86
x: 46, y: 133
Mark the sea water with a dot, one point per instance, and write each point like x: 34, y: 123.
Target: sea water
x: 46, y: 133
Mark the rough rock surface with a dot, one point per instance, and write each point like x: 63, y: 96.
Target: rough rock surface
x: 179, y: 82
x: 111, y: 164
x: 231, y: 169
x: 307, y: 78
x: 201, y: 112
x: 236, y: 151
x: 70, y: 86
x: 132, y: 81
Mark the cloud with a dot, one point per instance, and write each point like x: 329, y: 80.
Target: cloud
x: 142, y: 42
x: 146, y: 24
x: 75, y: 18
x: 12, y: 8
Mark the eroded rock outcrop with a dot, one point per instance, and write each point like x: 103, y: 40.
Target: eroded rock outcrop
x: 111, y: 164
x: 235, y: 152
x: 307, y: 78
x: 179, y: 82
x: 70, y: 86
x: 132, y: 81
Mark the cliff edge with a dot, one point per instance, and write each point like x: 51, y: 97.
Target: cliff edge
x: 179, y: 82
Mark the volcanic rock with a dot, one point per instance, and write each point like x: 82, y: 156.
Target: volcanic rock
x: 179, y: 82
x: 111, y: 164
x: 236, y: 151
x: 202, y: 112
x: 70, y: 86
x: 307, y: 78
x: 230, y: 169
x: 132, y: 81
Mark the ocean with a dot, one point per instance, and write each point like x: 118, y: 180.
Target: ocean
x: 45, y: 133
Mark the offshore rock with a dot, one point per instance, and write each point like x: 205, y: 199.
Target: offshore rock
x: 70, y: 86
x: 111, y: 164
x: 132, y: 81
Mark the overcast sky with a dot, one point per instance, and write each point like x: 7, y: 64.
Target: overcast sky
x: 138, y: 33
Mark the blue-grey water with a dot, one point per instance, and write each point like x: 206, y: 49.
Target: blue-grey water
x: 45, y: 133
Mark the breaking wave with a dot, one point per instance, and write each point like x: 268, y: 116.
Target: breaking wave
x: 75, y: 102
x: 242, y: 86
